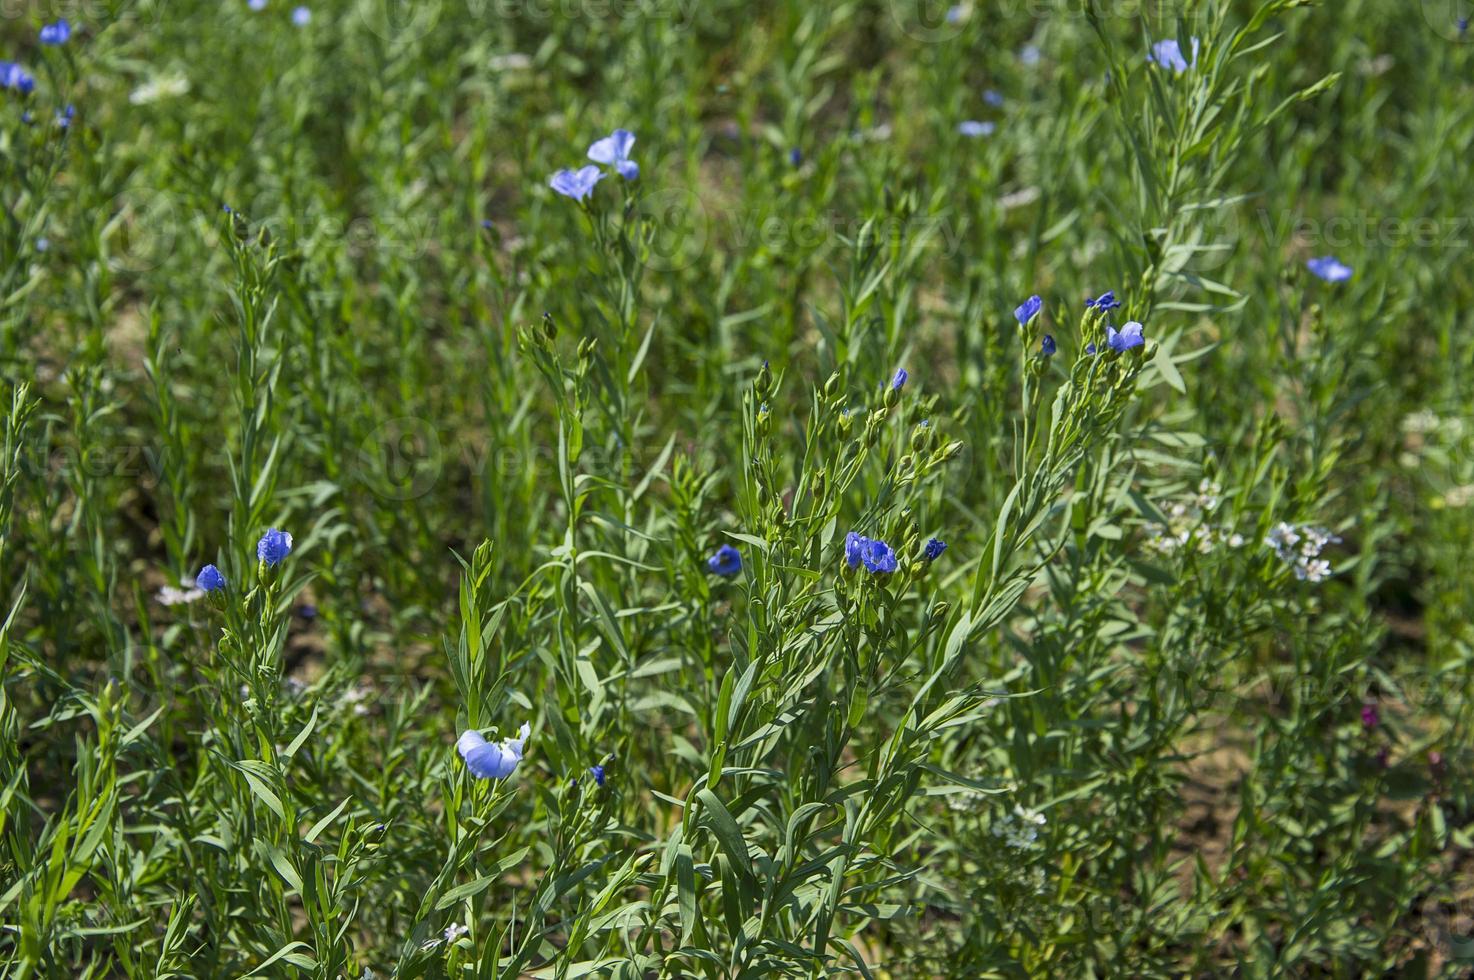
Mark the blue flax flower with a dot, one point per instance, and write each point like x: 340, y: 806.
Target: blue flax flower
x: 274, y: 546
x: 1028, y: 309
x: 874, y: 554
x: 993, y: 98
x: 1047, y: 346
x: 1105, y: 301
x: 598, y: 773
x: 1127, y: 337
x: 1329, y: 268
x: 16, y: 77
x: 209, y: 579
x: 899, y: 381
x: 1168, y: 54
x: 577, y: 184
x: 933, y: 550
x: 57, y: 33
x: 727, y: 561
x: 301, y: 16
x: 972, y: 127
x: 492, y: 760
x: 614, y: 150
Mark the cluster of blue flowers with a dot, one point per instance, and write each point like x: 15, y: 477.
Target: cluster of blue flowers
x: 613, y: 151
x: 878, y: 557
x: 1130, y: 335
x: 15, y: 77
x: 273, y: 547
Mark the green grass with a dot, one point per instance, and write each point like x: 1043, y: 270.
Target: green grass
x: 314, y: 278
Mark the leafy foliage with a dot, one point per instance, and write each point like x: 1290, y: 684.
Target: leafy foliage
x: 1186, y: 692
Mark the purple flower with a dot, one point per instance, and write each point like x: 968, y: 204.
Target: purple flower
x: 899, y: 381
x: 854, y: 544
x: 577, y: 184
x: 1047, y: 346
x: 1329, y: 268
x: 598, y: 773
x: 933, y: 550
x: 301, y: 16
x: 57, y: 33
x: 273, y: 547
x: 1369, y: 716
x: 209, y: 579
x: 614, y: 150
x: 1168, y: 54
x: 971, y: 127
x: 1105, y: 301
x: 727, y: 561
x: 1128, y: 337
x: 1028, y: 309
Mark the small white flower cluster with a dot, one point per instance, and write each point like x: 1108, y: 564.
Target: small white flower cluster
x: 965, y: 800
x: 1300, y: 545
x: 355, y: 697
x: 1425, y: 422
x: 1187, y: 525
x: 1459, y: 496
x: 1034, y: 879
x: 452, y: 932
x: 1019, y: 829
x: 170, y: 596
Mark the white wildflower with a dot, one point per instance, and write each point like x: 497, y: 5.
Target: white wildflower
x: 187, y: 592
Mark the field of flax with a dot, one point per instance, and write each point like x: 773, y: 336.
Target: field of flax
x: 664, y: 489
